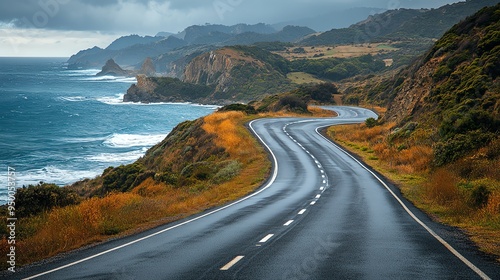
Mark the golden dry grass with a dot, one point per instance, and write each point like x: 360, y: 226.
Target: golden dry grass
x: 442, y: 192
x: 342, y: 51
x: 302, y: 78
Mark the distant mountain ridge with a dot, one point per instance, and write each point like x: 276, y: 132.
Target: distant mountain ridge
x: 130, y: 51
x: 129, y: 41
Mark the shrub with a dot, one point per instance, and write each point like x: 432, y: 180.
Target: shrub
x: 122, y: 178
x: 459, y: 145
x: 239, y: 107
x: 479, y: 196
x: 32, y: 200
x: 228, y: 172
x: 370, y: 122
x: 292, y: 102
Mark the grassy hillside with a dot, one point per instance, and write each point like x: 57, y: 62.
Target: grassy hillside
x: 440, y: 137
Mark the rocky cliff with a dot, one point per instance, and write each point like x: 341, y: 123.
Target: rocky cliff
x: 239, y: 73
x: 227, y: 75
x: 214, y: 68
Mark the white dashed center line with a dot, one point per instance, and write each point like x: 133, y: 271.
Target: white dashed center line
x: 302, y: 211
x: 265, y: 239
x: 231, y: 263
x: 288, y: 223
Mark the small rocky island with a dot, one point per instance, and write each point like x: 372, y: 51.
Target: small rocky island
x: 113, y: 69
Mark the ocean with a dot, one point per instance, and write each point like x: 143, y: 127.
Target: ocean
x: 60, y: 126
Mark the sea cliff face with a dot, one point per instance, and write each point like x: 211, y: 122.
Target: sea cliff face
x: 227, y: 75
x: 143, y: 91
x: 214, y: 68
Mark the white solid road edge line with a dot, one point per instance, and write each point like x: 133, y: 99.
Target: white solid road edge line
x: 435, y: 235
x: 231, y: 263
x: 271, y: 181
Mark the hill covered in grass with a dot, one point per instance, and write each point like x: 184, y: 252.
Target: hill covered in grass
x: 440, y: 137
x: 454, y: 90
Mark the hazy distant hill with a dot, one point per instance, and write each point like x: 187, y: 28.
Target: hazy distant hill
x: 401, y: 24
x: 131, y: 56
x: 192, y: 33
x: 128, y: 41
x: 333, y: 18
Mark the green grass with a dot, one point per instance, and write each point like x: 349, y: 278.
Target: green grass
x: 302, y: 78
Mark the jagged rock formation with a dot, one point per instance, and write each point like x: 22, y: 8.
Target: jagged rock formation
x: 148, y: 68
x: 113, y: 69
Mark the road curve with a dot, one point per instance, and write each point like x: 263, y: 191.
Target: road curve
x: 322, y: 215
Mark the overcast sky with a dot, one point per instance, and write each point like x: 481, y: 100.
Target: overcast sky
x: 63, y: 27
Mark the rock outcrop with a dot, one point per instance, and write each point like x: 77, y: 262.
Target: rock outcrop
x: 143, y: 91
x: 148, y: 68
x: 113, y: 69
x: 212, y: 68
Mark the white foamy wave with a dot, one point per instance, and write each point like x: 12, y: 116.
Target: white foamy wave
x: 112, y: 100
x: 83, y: 139
x: 100, y: 78
x: 133, y: 140
x: 118, y: 157
x: 82, y: 72
x: 118, y: 100
x: 52, y: 174
x: 73, y: 98
x: 213, y: 107
x: 108, y: 78
x: 131, y: 80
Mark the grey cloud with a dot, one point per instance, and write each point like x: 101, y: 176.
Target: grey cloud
x: 151, y: 16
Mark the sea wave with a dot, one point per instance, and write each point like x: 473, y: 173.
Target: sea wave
x: 117, y: 157
x: 73, y: 98
x: 108, y: 78
x: 117, y: 99
x: 83, y: 139
x: 50, y: 174
x: 118, y: 140
x: 82, y: 72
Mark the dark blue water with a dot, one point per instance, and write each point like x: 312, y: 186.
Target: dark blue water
x: 59, y: 125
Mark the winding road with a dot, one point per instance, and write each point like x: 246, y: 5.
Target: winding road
x: 321, y: 215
